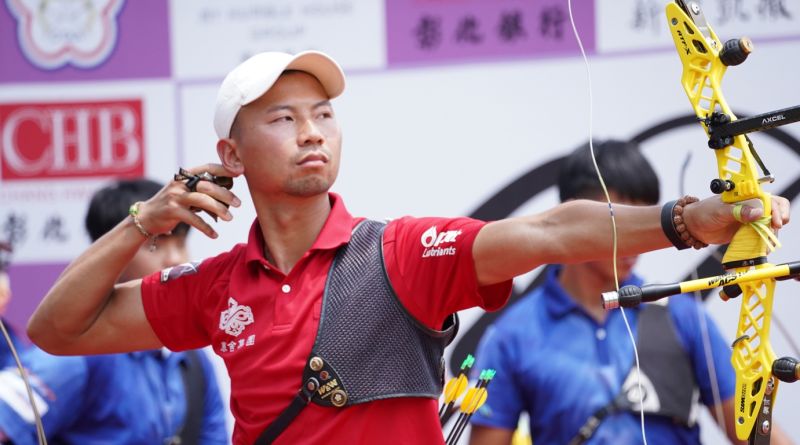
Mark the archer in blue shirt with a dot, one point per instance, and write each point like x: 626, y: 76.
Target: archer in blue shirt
x: 563, y: 359
x: 135, y: 398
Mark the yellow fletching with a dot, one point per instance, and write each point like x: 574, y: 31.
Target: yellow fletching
x: 454, y: 388
x: 474, y: 399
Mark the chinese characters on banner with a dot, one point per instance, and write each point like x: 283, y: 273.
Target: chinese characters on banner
x: 470, y: 30
x: 625, y: 25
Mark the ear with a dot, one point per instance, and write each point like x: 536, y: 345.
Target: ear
x: 229, y: 156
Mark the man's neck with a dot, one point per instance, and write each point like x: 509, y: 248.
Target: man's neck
x: 585, y: 286
x: 290, y: 226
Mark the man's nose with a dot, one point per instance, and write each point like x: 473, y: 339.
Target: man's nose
x: 310, y: 134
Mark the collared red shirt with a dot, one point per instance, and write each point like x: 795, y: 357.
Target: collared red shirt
x: 559, y: 365
x: 124, y: 399
x: 263, y: 322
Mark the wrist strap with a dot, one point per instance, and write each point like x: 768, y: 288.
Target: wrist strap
x: 674, y: 226
x: 668, y: 226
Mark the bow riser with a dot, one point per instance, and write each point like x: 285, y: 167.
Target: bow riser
x: 701, y: 79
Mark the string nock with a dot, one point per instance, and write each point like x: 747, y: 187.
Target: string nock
x: 468, y: 362
x: 786, y: 369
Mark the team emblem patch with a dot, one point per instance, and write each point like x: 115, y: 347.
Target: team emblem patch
x: 54, y: 33
x: 234, y: 319
x: 180, y: 270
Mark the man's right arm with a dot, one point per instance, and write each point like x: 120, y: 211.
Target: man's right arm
x: 85, y: 312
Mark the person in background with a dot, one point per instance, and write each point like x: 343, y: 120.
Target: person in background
x: 147, y: 397
x: 6, y: 357
x: 332, y: 327
x: 563, y: 359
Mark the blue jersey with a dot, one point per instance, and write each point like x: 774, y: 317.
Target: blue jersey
x: 559, y: 365
x: 6, y: 358
x: 136, y: 398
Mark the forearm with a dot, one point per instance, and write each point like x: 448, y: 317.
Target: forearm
x: 582, y: 231
x: 84, y: 289
x: 572, y: 232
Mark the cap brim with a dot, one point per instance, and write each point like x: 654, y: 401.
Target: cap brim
x: 325, y: 69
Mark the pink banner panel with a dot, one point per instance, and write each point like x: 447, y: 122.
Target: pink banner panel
x: 437, y: 31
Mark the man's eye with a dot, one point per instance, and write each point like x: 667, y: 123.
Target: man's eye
x: 283, y: 119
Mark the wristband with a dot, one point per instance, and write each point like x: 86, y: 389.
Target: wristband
x: 134, y: 212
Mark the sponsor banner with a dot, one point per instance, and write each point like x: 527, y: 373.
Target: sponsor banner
x: 55, y: 154
x: 436, y: 31
x: 352, y: 31
x: 71, y: 139
x: 87, y: 40
x: 630, y: 25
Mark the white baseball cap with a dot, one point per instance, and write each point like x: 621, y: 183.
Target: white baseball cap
x: 256, y: 75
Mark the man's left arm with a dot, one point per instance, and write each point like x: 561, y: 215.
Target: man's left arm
x: 580, y: 231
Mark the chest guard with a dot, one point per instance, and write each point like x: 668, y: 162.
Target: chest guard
x: 668, y: 381
x: 373, y: 348
x: 368, y: 347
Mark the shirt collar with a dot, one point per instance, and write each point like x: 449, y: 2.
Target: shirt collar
x: 558, y: 302
x: 335, y: 232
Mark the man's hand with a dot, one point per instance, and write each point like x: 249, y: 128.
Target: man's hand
x: 713, y: 222
x: 175, y: 203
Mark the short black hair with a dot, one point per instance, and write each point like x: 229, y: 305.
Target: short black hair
x: 624, y: 168
x: 110, y: 205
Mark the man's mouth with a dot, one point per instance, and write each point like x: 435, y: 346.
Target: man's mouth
x: 313, y: 159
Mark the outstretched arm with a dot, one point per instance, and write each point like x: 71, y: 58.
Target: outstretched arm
x: 85, y: 312
x: 579, y: 231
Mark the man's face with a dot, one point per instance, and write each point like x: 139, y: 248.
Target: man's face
x: 288, y: 140
x: 170, y: 251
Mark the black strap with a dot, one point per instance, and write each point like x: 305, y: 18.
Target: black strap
x: 286, y: 417
x: 668, y: 226
x: 590, y: 426
x: 194, y: 382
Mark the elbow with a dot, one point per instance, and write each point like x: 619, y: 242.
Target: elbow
x: 43, y: 335
x: 37, y: 333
